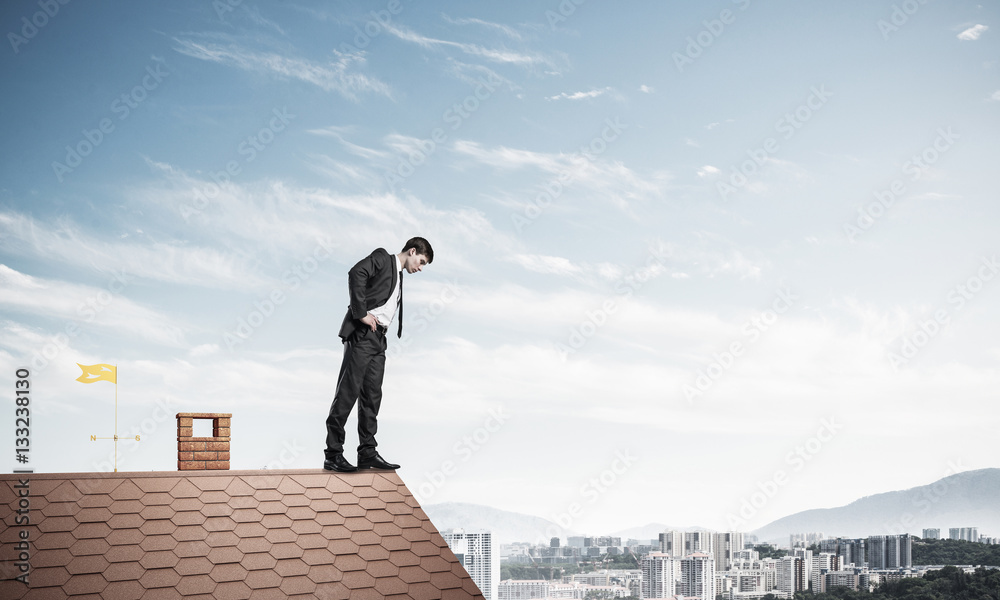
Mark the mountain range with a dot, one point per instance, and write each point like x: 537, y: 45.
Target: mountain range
x: 967, y: 499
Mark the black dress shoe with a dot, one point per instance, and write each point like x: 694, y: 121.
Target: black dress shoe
x: 376, y: 462
x: 339, y: 464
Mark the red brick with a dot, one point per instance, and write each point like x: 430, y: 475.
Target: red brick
x: 181, y: 456
x: 190, y: 465
x: 184, y: 432
x: 206, y: 456
x: 190, y: 446
x: 217, y: 465
x: 217, y: 446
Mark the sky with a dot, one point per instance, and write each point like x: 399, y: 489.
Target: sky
x: 696, y: 263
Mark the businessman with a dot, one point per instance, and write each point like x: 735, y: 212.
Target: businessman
x: 375, y: 286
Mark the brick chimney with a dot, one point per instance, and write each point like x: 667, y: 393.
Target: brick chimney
x: 203, y: 453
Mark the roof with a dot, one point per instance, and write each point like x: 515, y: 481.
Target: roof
x: 224, y: 534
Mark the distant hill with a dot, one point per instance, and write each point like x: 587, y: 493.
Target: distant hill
x: 968, y: 499
x: 507, y: 526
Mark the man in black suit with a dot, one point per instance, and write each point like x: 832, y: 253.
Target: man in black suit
x: 375, y: 285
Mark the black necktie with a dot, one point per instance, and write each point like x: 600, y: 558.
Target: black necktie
x: 399, y: 332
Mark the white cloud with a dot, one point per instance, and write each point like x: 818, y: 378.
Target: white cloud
x: 708, y: 171
x: 580, y: 95
x: 556, y: 265
x: 645, y: 89
x: 995, y: 96
x: 336, y: 76
x: 491, y: 54
x: 171, y: 262
x: 973, y: 33
x: 105, y: 307
x: 615, y: 182
x: 504, y: 29
x: 338, y: 134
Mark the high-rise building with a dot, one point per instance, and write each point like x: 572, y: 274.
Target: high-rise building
x: 699, y: 541
x: 849, y: 550
x: 931, y: 534
x: 697, y: 576
x: 969, y: 534
x: 890, y: 551
x: 477, y: 551
x: 726, y: 546
x: 672, y: 543
x: 791, y: 576
x: 807, y: 561
x: 659, y: 576
x: 823, y: 563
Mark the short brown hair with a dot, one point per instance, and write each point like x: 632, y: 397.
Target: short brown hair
x: 422, y: 246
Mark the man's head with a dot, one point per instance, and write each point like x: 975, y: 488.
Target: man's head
x: 416, y: 253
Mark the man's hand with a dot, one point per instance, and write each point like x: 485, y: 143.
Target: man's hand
x: 369, y: 320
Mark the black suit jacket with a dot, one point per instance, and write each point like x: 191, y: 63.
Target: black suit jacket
x: 369, y: 283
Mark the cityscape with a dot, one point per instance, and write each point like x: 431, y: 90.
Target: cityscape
x: 706, y: 565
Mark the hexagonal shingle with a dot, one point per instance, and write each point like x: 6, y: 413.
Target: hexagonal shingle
x: 194, y: 565
x: 317, y: 556
x: 232, y: 590
x: 228, y: 572
x: 87, y: 564
x: 225, y: 554
x: 196, y: 584
x: 299, y: 584
x: 159, y: 559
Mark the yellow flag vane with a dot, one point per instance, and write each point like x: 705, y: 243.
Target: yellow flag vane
x: 103, y: 372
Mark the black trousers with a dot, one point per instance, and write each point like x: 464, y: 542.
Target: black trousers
x: 360, y: 379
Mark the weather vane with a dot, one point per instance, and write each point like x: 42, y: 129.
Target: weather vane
x: 103, y: 372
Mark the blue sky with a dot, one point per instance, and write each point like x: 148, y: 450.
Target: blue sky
x: 683, y: 250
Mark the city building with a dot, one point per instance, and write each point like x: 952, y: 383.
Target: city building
x: 823, y: 563
x: 672, y: 543
x: 791, y: 576
x: 699, y: 541
x: 697, y: 576
x: 850, y: 551
x: 523, y: 589
x: 931, y: 534
x: 477, y: 551
x: 890, y: 551
x: 726, y: 546
x: 659, y: 576
x: 849, y: 579
x: 741, y: 555
x: 807, y: 562
x: 969, y: 534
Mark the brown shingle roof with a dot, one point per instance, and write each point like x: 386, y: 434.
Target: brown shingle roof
x: 224, y: 534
